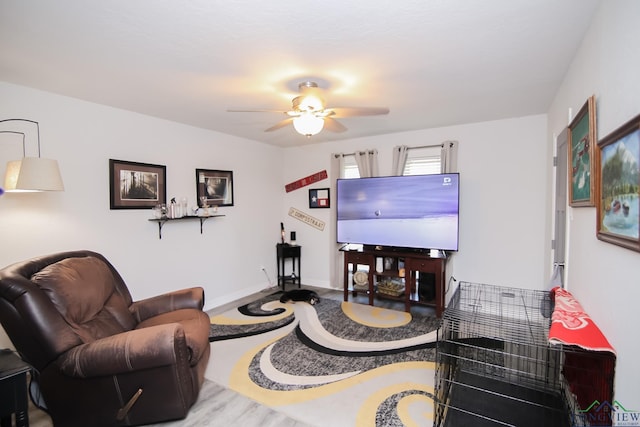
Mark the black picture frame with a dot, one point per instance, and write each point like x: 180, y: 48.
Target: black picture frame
x: 319, y: 198
x: 134, y: 185
x: 215, y: 186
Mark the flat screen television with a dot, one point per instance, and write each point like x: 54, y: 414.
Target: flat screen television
x: 413, y: 211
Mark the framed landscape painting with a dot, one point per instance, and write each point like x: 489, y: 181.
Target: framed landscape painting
x: 135, y: 185
x: 583, y: 164
x: 618, y: 216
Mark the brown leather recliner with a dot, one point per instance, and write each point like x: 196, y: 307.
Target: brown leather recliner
x: 101, y: 359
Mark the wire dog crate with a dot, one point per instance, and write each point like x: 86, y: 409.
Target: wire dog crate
x: 495, y: 367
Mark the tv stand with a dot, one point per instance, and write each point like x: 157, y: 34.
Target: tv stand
x: 398, y: 266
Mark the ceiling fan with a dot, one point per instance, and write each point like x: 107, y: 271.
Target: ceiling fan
x: 309, y: 114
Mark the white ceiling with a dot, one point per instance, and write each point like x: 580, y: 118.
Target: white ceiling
x: 432, y: 62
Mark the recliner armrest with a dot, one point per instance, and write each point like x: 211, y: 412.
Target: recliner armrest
x: 138, y: 349
x: 184, y: 298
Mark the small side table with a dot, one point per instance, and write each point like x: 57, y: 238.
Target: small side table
x: 285, y: 251
x: 13, y: 389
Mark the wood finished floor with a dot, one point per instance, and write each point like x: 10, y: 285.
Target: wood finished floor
x: 218, y: 406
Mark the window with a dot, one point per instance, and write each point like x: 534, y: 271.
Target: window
x: 350, y: 167
x: 423, y: 161
x: 420, y: 161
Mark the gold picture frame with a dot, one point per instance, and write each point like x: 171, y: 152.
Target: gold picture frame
x: 618, y: 212
x: 583, y: 165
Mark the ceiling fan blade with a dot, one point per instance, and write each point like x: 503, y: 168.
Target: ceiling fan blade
x: 280, y: 124
x: 333, y: 125
x: 358, y: 111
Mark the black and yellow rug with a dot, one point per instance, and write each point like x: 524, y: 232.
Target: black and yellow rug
x: 334, y: 363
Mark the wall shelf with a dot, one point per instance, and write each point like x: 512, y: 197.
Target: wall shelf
x: 162, y: 221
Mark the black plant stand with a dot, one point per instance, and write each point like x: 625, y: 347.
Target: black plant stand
x: 284, y: 251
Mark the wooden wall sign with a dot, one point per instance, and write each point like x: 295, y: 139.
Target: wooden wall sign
x: 307, y: 219
x: 319, y: 176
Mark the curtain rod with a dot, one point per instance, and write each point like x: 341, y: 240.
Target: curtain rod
x: 426, y: 146
x: 451, y: 143
x: 432, y: 145
x: 354, y: 153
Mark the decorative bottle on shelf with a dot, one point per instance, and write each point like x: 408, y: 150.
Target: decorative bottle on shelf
x: 184, y: 203
x: 173, y: 209
x: 159, y: 211
x: 205, y: 207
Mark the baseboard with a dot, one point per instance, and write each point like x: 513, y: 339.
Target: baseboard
x: 215, y: 302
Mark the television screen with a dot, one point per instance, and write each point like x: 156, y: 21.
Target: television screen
x: 414, y: 211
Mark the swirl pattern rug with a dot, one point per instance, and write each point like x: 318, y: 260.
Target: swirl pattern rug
x: 334, y: 363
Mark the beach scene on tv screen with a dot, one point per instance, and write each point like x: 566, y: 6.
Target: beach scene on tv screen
x: 416, y: 212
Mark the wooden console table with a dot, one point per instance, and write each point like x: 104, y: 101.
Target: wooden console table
x: 399, y: 266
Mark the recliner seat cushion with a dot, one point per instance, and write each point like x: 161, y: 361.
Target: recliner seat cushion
x: 83, y: 292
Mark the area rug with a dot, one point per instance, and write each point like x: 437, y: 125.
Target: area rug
x: 334, y: 363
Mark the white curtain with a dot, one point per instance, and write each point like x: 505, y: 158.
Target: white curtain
x: 367, y: 162
x: 400, y: 154
x: 336, y: 259
x: 449, y: 157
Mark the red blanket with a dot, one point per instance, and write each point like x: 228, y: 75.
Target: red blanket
x: 571, y: 325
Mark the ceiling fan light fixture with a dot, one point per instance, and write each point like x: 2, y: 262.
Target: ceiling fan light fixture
x: 309, y: 111
x: 308, y: 103
x: 308, y: 124
x: 312, y: 103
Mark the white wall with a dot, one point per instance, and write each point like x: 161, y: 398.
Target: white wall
x: 602, y: 276
x: 82, y: 136
x: 503, y: 200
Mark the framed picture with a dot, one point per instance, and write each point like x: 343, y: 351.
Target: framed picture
x: 136, y: 185
x: 214, y: 188
x: 319, y: 198
x: 583, y: 167
x: 617, y: 211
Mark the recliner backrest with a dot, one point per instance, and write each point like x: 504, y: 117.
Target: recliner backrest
x: 46, y: 317
x: 84, y: 293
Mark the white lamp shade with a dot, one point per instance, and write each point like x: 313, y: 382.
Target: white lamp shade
x: 33, y: 174
x: 11, y: 175
x: 308, y: 124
